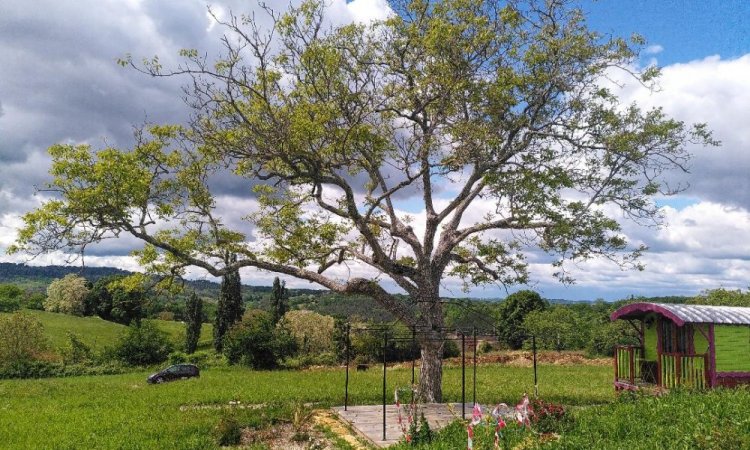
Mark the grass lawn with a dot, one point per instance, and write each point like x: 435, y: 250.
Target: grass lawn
x: 122, y: 411
x: 99, y: 333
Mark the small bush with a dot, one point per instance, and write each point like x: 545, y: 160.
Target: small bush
x: 10, y: 297
x: 228, y: 431
x: 485, y: 347
x: 177, y: 358
x: 202, y: 359
x: 166, y: 316
x: 76, y: 351
x: 22, y: 339
x: 50, y: 369
x: 143, y: 345
x: 303, y: 361
x: 450, y: 349
x: 9, y: 304
x: 360, y: 359
x: 549, y: 417
x: 34, y: 300
x: 420, y: 432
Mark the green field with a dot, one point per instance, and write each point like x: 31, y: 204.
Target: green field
x: 99, y: 333
x: 122, y: 411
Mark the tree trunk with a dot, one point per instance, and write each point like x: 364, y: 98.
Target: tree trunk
x: 431, y: 373
x: 431, y: 343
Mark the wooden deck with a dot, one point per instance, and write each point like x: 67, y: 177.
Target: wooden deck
x: 368, y: 420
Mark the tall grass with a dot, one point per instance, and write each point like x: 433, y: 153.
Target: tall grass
x: 717, y: 419
x: 122, y: 411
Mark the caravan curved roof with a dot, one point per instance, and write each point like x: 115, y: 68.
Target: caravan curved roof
x: 682, y: 314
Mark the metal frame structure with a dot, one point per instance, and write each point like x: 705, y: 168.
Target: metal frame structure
x: 413, y: 339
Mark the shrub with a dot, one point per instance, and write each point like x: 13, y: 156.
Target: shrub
x: 257, y: 343
x: 76, y: 351
x: 117, y: 298
x: 22, y: 338
x: 31, y: 369
x: 369, y: 343
x: 34, y: 300
x: 605, y: 337
x: 49, y: 369
x: 177, y: 357
x: 202, y: 358
x: 228, y: 431
x: 10, y: 297
x: 450, y: 349
x: 143, y: 345
x: 313, y: 332
x: 9, y: 304
x: 166, y: 316
x: 548, y: 417
x: 303, y: 361
x: 420, y: 431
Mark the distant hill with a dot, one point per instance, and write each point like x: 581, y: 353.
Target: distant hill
x: 26, y: 275
x: 12, y: 273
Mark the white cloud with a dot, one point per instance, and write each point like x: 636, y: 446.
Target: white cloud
x: 368, y: 10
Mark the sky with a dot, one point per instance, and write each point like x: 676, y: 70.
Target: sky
x: 59, y: 82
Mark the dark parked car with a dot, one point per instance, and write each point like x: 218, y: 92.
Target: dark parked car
x: 176, y: 372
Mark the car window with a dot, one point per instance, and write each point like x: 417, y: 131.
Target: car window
x: 173, y: 369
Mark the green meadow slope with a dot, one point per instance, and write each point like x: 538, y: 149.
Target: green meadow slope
x: 99, y: 333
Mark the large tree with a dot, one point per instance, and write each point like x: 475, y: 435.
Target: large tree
x: 66, y: 295
x: 497, y: 119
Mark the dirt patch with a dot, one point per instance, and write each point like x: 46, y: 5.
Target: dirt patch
x: 310, y: 436
x: 329, y: 420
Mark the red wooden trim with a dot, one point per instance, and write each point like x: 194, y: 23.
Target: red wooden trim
x: 712, y: 353
x: 617, y: 356
x: 733, y: 375
x: 643, y: 308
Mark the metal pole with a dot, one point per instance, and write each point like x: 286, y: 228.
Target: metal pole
x: 385, y: 346
x: 536, y: 384
x: 413, y: 357
x: 475, y: 365
x: 346, y: 389
x: 463, y: 375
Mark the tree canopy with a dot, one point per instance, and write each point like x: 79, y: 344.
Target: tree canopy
x: 498, y: 119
